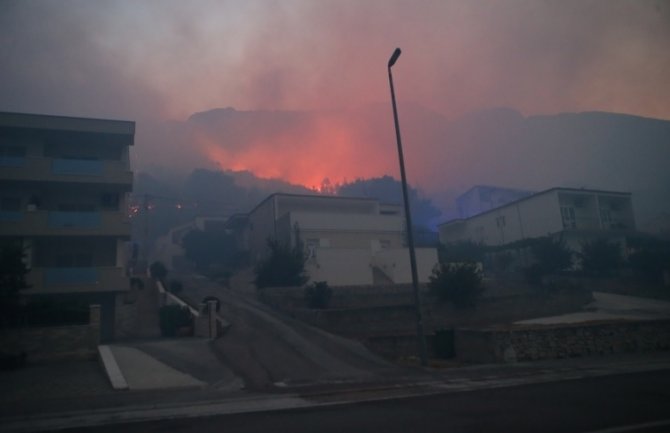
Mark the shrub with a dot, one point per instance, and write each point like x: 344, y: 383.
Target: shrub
x: 175, y: 287
x: 173, y: 317
x: 318, y: 294
x: 600, y: 256
x: 458, y: 283
x: 158, y: 271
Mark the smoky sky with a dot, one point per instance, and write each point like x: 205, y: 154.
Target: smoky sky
x: 160, y: 61
x: 133, y: 58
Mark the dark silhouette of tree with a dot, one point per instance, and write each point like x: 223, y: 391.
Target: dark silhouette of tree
x: 13, y: 273
x: 460, y: 284
x: 389, y: 190
x: 284, y: 267
x: 158, y: 271
x: 600, y: 256
x: 214, y: 247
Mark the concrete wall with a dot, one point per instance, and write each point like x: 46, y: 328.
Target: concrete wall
x: 55, y: 343
x: 340, y: 266
x: 526, y: 343
x: 396, y: 265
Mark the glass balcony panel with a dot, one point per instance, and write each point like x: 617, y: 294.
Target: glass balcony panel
x: 80, y: 220
x: 77, y: 167
x: 59, y: 276
x: 6, y: 215
x: 12, y: 161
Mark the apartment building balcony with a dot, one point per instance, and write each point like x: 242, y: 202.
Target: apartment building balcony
x: 65, y: 170
x: 57, y: 223
x: 76, y: 280
x: 594, y: 223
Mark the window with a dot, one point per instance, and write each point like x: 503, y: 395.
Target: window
x: 606, y: 217
x: 110, y: 200
x: 500, y: 221
x: 12, y: 156
x: 10, y: 204
x: 568, y: 216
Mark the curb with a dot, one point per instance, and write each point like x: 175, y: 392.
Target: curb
x: 111, y: 368
x: 316, y: 399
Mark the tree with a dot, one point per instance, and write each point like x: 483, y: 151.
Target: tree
x: 213, y: 247
x: 600, y: 256
x: 458, y: 283
x: 158, y: 271
x: 13, y: 273
x: 284, y: 267
x: 389, y: 190
x: 552, y: 255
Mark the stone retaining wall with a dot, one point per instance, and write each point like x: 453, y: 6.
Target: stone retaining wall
x: 56, y: 342
x: 534, y: 342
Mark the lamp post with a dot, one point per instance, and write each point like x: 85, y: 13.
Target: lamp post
x: 423, y: 355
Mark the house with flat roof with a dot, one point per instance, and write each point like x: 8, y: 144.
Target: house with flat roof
x: 63, y: 192
x: 572, y: 214
x: 348, y: 241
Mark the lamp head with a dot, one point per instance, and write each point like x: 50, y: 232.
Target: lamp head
x: 394, y: 57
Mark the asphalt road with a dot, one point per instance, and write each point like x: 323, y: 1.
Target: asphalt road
x: 602, y: 404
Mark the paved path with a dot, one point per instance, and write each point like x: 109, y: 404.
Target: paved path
x: 608, y: 306
x: 269, y: 349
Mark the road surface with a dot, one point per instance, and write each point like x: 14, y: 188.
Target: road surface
x: 624, y: 403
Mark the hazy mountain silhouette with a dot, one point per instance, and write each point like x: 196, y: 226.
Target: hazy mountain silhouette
x: 446, y: 157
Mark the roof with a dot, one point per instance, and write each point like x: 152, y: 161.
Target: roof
x: 64, y: 123
x: 315, y: 196
x: 530, y: 197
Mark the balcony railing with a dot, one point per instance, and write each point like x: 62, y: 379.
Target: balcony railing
x: 77, y: 167
x: 12, y: 161
x: 56, y: 223
x: 60, y: 276
x: 66, y: 170
x: 77, y: 220
x: 10, y: 216
x: 77, y: 279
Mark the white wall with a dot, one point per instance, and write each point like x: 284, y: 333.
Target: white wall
x: 396, y: 265
x: 341, y: 267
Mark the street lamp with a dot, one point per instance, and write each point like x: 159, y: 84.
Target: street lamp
x: 408, y: 218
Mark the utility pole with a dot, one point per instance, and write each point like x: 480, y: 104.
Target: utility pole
x: 423, y: 352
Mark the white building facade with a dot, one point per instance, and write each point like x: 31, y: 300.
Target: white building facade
x: 574, y: 214
x: 348, y: 241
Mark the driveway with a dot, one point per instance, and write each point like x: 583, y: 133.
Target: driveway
x: 268, y: 349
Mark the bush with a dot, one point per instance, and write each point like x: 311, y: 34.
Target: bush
x: 600, y: 256
x: 175, y: 287
x: 158, y: 271
x: 173, y: 317
x: 458, y: 283
x: 318, y: 294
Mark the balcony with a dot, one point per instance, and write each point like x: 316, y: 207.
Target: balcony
x: 76, y: 280
x: 56, y: 223
x: 65, y: 170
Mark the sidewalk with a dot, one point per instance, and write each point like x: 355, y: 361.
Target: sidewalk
x: 76, y: 394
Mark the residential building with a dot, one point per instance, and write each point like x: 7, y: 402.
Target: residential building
x: 348, y: 241
x: 482, y: 198
x: 63, y: 188
x: 573, y: 214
